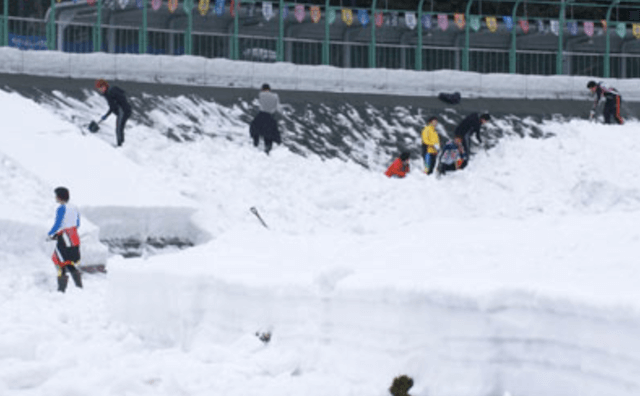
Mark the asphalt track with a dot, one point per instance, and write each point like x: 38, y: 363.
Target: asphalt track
x: 33, y: 86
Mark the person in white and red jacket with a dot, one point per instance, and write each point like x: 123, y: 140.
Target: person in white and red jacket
x: 613, y: 100
x: 65, y: 231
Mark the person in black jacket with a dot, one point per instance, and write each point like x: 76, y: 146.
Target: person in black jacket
x: 462, y: 134
x: 118, y: 104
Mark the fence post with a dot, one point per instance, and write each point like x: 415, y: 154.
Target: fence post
x: 97, y: 30
x: 561, y: 22
x: 51, y: 27
x: 607, y: 43
x: 5, y: 25
x: 465, y: 50
x: 188, y: 39
x: 143, y: 39
x: 419, y: 46
x: 325, y: 44
x: 235, y: 42
x: 372, y: 44
x: 512, y: 51
x: 280, y: 44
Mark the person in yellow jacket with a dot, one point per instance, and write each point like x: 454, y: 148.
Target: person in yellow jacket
x: 430, y: 145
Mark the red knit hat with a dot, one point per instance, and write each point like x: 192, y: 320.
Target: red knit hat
x: 101, y: 83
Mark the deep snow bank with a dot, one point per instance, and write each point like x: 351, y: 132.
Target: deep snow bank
x: 512, y: 320
x: 119, y: 200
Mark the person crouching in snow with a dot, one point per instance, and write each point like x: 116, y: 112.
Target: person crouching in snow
x: 430, y: 145
x: 399, y: 167
x: 451, y: 158
x: 65, y: 232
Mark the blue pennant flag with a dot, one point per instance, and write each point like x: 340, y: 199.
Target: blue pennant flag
x: 573, y: 28
x: 363, y: 17
x: 220, y: 7
x: 508, y: 22
x: 285, y: 12
x: 426, y: 21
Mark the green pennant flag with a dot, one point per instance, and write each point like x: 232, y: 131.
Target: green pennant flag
x: 621, y: 29
x: 331, y: 15
x: 474, y: 22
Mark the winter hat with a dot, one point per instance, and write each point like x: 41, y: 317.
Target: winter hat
x: 102, y: 83
x: 405, y: 155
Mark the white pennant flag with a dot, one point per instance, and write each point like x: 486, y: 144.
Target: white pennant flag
x: 410, y: 20
x: 267, y: 10
x: 555, y: 27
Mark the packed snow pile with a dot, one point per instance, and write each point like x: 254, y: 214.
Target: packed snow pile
x: 517, y: 275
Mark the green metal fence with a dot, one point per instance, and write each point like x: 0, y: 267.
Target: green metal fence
x: 233, y: 42
x: 438, y: 58
x: 536, y: 62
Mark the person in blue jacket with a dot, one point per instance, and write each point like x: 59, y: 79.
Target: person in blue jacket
x: 118, y: 104
x: 65, y: 232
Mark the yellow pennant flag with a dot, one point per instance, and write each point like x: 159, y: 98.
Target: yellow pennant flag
x: 347, y: 16
x: 203, y: 7
x: 492, y: 24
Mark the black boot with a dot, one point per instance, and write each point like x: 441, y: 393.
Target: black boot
x: 62, y: 282
x: 75, y: 274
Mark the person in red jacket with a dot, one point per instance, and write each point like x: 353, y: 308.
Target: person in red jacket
x: 399, y: 167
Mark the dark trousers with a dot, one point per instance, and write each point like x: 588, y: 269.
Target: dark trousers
x: 268, y: 143
x: 463, y: 143
x: 429, y: 163
x: 429, y: 160
x: 63, y: 279
x: 444, y: 168
x: 611, y: 111
x: 120, y: 123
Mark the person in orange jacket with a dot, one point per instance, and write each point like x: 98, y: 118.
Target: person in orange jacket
x: 399, y: 167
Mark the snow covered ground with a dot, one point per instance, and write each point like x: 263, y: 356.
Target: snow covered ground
x: 516, y: 276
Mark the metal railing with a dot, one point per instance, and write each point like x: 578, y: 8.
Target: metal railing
x: 38, y: 34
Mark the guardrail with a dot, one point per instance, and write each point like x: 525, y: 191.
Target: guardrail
x: 35, y: 34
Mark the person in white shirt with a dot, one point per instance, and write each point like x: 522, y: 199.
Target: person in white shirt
x: 264, y: 124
